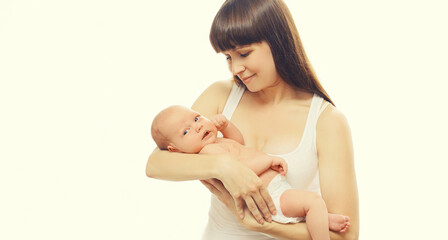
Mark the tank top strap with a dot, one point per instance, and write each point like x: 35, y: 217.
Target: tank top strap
x: 314, y: 111
x: 324, y: 106
x: 309, y: 133
x: 232, y: 102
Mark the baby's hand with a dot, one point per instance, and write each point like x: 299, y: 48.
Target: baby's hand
x: 220, y: 121
x: 279, y: 165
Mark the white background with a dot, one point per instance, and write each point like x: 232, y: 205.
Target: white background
x: 81, y: 81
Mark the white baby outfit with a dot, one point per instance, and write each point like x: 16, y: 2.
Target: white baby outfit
x: 276, y: 188
x: 303, y: 174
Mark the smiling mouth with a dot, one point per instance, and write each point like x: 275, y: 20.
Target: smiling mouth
x: 205, y: 134
x: 244, y: 79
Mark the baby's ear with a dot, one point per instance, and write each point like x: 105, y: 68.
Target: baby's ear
x: 172, y: 149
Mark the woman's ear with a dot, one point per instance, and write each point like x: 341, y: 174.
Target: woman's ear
x: 172, y: 149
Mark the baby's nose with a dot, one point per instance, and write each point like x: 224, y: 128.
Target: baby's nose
x: 199, y: 127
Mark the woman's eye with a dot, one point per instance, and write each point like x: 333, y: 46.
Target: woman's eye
x: 228, y: 58
x: 245, y: 54
x: 196, y: 119
x: 186, y: 131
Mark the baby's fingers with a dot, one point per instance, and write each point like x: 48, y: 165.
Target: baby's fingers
x: 222, y: 118
x: 285, y: 167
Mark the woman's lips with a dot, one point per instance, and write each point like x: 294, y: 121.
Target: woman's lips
x: 247, y: 79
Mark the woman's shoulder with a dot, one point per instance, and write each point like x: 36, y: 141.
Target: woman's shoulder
x: 331, y: 119
x: 221, y: 87
x: 333, y: 139
x: 213, y: 99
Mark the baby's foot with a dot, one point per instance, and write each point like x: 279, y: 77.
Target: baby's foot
x: 338, y: 223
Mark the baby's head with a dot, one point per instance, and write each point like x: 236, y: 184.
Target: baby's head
x: 179, y: 129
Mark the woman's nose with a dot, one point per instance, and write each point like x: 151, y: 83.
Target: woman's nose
x: 237, y: 68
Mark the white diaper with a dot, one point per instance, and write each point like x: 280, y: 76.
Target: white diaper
x: 276, y: 188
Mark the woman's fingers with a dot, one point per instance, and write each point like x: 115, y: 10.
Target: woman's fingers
x: 245, y: 187
x: 224, y: 196
x: 262, y: 206
x: 239, y: 204
x: 217, y: 188
x: 218, y: 185
x: 210, y: 187
x: 254, y: 209
x: 268, y: 200
x: 259, y: 204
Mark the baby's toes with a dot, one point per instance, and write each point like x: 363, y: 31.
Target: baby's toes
x: 345, y: 228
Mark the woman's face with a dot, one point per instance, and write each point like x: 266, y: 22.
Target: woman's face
x: 254, y: 65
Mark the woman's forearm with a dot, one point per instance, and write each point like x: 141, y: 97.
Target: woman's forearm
x: 286, y: 231
x: 173, y: 166
x: 297, y: 231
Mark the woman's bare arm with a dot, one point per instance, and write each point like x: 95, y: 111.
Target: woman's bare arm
x: 174, y: 166
x: 336, y: 168
x: 337, y: 181
x: 336, y: 175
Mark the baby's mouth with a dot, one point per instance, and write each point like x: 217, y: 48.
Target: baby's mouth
x: 205, y: 134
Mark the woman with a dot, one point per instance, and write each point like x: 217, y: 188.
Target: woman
x: 280, y: 107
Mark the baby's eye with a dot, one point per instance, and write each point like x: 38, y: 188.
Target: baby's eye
x: 196, y: 119
x: 186, y: 131
x: 228, y: 58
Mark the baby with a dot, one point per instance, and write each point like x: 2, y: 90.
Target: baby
x: 179, y: 129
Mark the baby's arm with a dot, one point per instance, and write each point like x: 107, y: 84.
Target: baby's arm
x: 254, y: 159
x: 262, y: 162
x: 227, y: 128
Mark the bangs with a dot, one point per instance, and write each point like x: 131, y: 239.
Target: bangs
x: 235, y: 25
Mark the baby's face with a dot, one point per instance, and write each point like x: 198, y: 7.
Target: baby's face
x: 188, y: 131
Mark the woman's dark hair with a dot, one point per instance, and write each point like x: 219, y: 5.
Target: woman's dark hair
x: 243, y: 22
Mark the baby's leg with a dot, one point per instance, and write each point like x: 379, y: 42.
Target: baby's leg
x: 295, y: 203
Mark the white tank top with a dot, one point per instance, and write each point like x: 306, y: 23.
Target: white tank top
x: 303, y: 173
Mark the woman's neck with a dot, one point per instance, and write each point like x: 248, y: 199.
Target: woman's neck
x: 278, y: 93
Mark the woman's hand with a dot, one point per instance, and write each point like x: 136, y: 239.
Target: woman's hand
x: 216, y: 187
x: 245, y: 186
